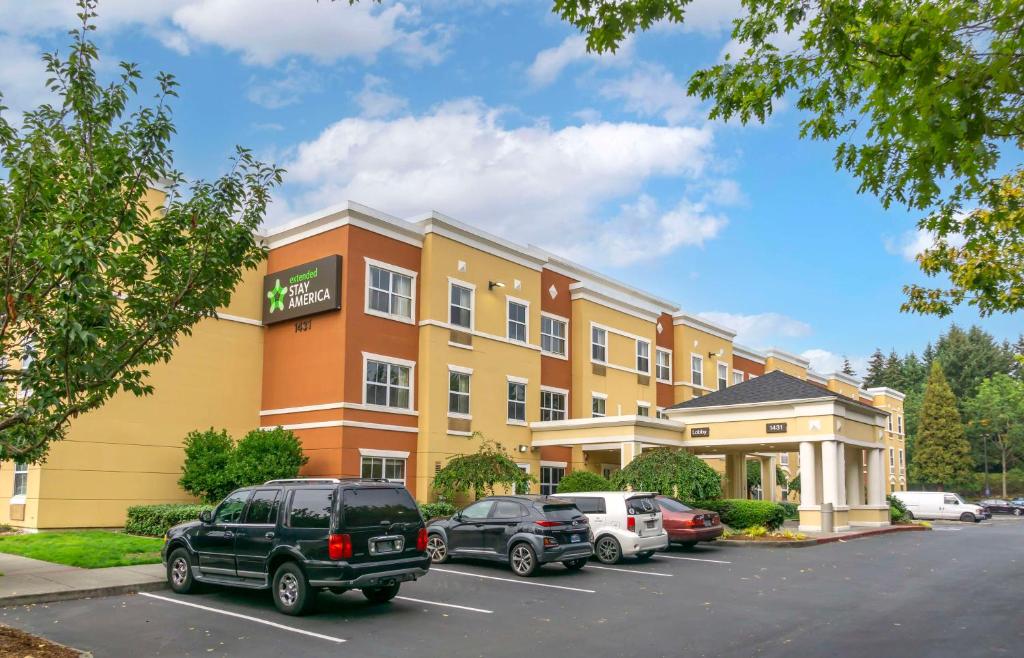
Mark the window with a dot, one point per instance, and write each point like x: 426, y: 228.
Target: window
x: 663, y: 370
x: 517, y: 322
x: 901, y: 459
x: 784, y: 459
x: 737, y: 377
x: 461, y: 306
x: 660, y: 413
x: 523, y: 489
x: 389, y: 293
x: 517, y: 402
x: 230, y: 511
x: 723, y: 375
x: 507, y: 509
x: 643, y: 356
x: 597, y: 406
x: 950, y: 500
x: 899, y: 424
x: 388, y: 384
x: 20, y: 479
x: 892, y: 460
x: 478, y: 510
x: 550, y: 476
x: 552, y: 335
x: 311, y: 508
x: 263, y: 508
x: 376, y: 507
x: 458, y: 393
x: 598, y: 344
x: 384, y: 468
x: 552, y: 405
x: 696, y: 370
x: 890, y: 423
x: 588, y: 505
x: 643, y: 410
x: 672, y: 505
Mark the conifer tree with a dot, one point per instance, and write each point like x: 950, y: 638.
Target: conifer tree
x: 876, y: 364
x: 942, y: 455
x: 847, y: 368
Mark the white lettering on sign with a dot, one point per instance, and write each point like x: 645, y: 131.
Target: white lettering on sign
x: 299, y: 295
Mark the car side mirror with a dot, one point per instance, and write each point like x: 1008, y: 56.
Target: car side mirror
x: 206, y: 516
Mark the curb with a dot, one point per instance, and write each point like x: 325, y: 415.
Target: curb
x: 804, y: 543
x: 72, y: 594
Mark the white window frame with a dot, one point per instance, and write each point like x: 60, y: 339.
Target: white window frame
x: 646, y: 406
x: 892, y: 460
x: 552, y: 466
x: 564, y: 338
x: 604, y: 403
x: 20, y: 469
x: 509, y: 300
x: 737, y: 372
x: 550, y: 390
x: 901, y: 460
x: 602, y: 345
x: 890, y: 422
x: 899, y: 424
x: 391, y: 361
x: 525, y: 468
x: 384, y: 466
x: 472, y: 304
x: 515, y: 381
x: 468, y: 372
x: 658, y: 367
x: 639, y: 356
x: 393, y: 269
x: 698, y: 371
x: 719, y: 379
x: 784, y: 459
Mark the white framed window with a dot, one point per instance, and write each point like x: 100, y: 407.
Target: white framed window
x: 390, y: 291
x: 643, y: 409
x: 550, y: 476
x: 723, y: 375
x: 20, y: 479
x: 388, y: 382
x: 518, y: 311
x: 384, y: 468
x: 660, y: 413
x: 643, y: 356
x: 663, y: 365
x: 597, y: 407
x: 737, y: 377
x: 784, y: 459
x: 892, y: 460
x: 460, y: 304
x: 890, y: 422
x: 516, y: 402
x: 553, y: 333
x: 696, y: 370
x: 458, y: 392
x: 598, y: 344
x: 901, y: 459
x: 522, y: 490
x: 899, y: 424
x: 552, y: 404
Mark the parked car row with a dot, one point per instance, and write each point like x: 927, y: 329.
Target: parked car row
x: 297, y: 537
x: 1003, y: 506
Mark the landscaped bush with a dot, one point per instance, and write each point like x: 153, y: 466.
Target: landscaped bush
x: 791, y: 510
x: 741, y: 514
x: 155, y: 520
x: 670, y: 472
x: 897, y: 510
x: 584, y: 481
x: 436, y: 510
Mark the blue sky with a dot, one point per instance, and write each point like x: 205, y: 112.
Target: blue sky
x: 491, y: 111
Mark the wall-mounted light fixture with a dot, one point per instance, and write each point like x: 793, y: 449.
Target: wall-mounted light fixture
x: 719, y: 353
x: 523, y: 447
x: 491, y: 285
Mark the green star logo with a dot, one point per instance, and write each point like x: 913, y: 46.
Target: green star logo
x: 276, y: 296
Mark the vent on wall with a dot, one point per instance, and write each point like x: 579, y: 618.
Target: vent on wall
x: 437, y: 467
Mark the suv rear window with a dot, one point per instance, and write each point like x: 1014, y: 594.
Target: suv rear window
x: 640, y: 505
x: 365, y: 507
x: 590, y: 505
x: 311, y: 508
x: 561, y: 513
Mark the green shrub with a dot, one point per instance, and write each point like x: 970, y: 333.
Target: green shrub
x: 897, y: 510
x: 671, y: 472
x: 755, y: 531
x: 155, y: 520
x: 481, y: 471
x: 584, y: 481
x: 737, y: 513
x: 436, y: 510
x: 791, y: 510
x: 205, y: 472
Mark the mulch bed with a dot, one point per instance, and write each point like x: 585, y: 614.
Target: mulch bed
x: 18, y: 644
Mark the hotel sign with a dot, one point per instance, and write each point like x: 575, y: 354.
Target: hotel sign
x: 775, y: 428
x: 298, y: 291
x: 700, y: 432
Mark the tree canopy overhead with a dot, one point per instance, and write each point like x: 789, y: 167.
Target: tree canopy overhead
x: 97, y: 285
x: 923, y: 99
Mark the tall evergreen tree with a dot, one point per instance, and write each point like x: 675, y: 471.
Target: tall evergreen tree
x: 873, y: 377
x: 893, y: 371
x: 942, y: 455
x: 847, y: 368
x: 928, y: 355
x: 913, y: 373
x: 969, y: 357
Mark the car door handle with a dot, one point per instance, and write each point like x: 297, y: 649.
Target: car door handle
x: 269, y: 535
x: 229, y: 535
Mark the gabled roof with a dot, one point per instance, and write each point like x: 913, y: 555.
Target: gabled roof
x: 776, y: 386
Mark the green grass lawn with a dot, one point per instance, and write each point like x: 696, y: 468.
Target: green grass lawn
x: 91, y: 549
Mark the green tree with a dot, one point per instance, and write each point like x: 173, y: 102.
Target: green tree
x: 969, y: 357
x: 921, y: 98
x: 583, y: 481
x: 1018, y: 358
x: 264, y: 455
x: 97, y: 286
x: 754, y: 476
x: 847, y: 368
x: 998, y: 410
x: 481, y: 472
x: 942, y: 455
x: 671, y: 472
x: 206, y: 473
x: 876, y: 365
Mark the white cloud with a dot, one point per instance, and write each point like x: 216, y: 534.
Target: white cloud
x: 826, y: 362
x: 549, y: 63
x: 760, y: 330
x: 376, y: 100
x: 709, y: 17
x: 652, y: 90
x: 22, y: 76
x: 912, y: 243
x: 286, y: 90
x: 530, y: 183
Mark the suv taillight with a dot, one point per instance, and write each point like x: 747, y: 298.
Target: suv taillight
x: 547, y: 524
x: 421, y: 540
x: 339, y: 547
x: 631, y: 523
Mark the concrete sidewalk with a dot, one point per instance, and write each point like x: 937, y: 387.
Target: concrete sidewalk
x: 26, y: 581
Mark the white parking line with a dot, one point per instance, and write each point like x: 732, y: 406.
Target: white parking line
x: 646, y: 573
x: 329, y: 638
x: 692, y: 559
x: 510, y: 580
x: 446, y: 605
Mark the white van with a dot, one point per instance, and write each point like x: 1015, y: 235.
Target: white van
x: 624, y: 523
x: 939, y: 505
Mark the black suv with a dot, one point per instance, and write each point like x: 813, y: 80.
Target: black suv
x: 525, y: 531
x: 297, y: 536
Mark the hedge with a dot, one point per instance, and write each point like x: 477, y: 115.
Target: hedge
x: 583, y: 481
x: 436, y: 510
x: 791, y: 510
x: 740, y: 514
x: 155, y: 520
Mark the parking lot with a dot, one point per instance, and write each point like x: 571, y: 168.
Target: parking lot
x: 954, y: 591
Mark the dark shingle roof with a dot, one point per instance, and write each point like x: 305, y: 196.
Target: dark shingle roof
x: 776, y: 386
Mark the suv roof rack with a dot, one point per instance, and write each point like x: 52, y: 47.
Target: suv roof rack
x: 324, y: 480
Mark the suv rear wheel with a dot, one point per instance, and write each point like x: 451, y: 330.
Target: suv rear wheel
x: 381, y: 594
x: 437, y: 549
x: 522, y: 559
x: 292, y: 593
x: 608, y: 550
x: 179, y: 572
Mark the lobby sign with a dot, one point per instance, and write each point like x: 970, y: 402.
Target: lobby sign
x: 302, y: 290
x: 700, y: 432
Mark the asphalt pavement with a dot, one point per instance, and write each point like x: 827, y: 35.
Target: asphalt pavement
x: 956, y: 591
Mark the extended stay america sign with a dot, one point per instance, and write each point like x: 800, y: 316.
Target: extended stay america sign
x: 302, y: 290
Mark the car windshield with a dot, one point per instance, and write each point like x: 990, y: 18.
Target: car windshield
x: 672, y: 505
x: 562, y: 513
x: 366, y: 507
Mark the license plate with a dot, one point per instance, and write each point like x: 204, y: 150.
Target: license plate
x: 707, y: 523
x: 575, y: 539
x: 650, y: 524
x: 386, y: 545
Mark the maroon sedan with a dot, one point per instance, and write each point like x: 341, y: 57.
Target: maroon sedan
x: 685, y: 525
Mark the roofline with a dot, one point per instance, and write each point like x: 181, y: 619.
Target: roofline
x: 449, y: 227
x: 835, y: 397
x: 847, y: 379
x: 605, y: 421
x: 885, y: 390
x: 608, y: 298
x: 789, y: 357
x: 343, y: 214
x: 701, y: 324
x: 817, y: 376
x: 748, y: 353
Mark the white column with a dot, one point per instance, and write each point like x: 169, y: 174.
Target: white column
x: 768, y: 481
x: 808, y: 473
x: 628, y: 452
x: 854, y: 481
x: 829, y: 474
x: 875, y: 483
x: 841, y: 473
